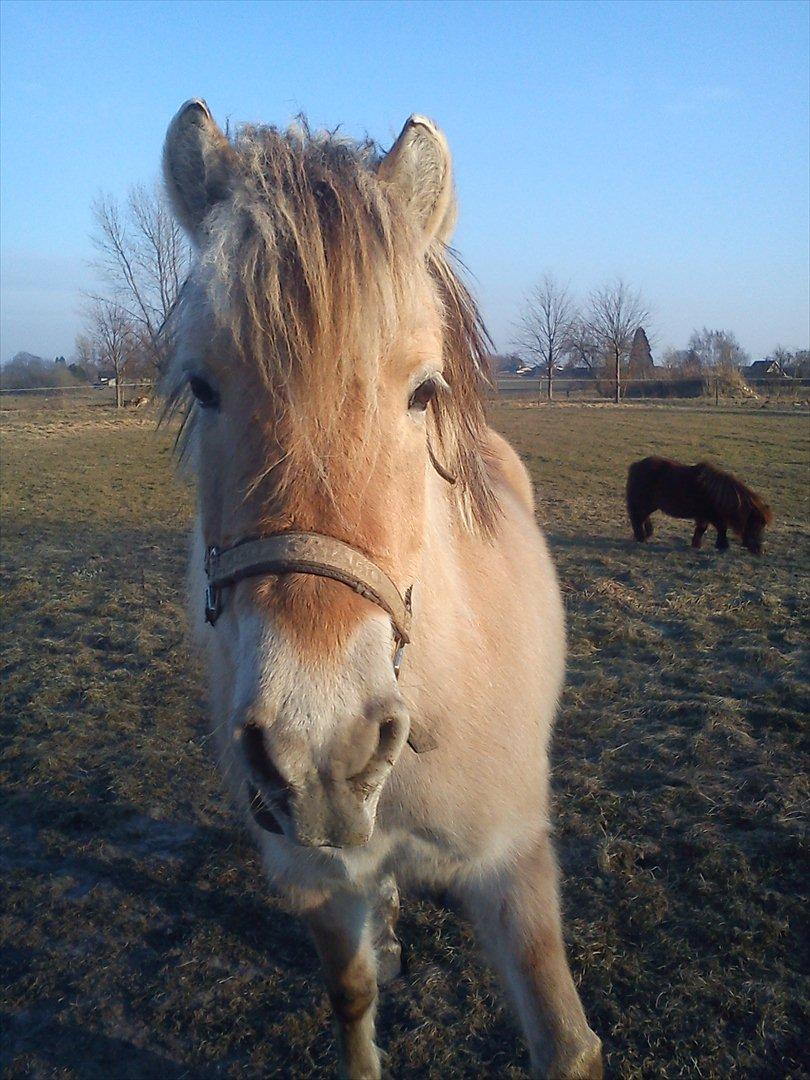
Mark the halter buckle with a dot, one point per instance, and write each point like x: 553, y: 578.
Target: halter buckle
x: 399, y: 649
x: 398, y: 655
x: 213, y: 595
x: 213, y: 605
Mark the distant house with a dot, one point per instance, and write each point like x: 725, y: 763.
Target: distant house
x: 528, y: 370
x: 765, y: 369
x: 504, y: 363
x: 105, y: 378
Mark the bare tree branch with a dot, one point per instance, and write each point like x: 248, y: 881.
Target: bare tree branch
x: 113, y: 339
x: 581, y: 346
x: 718, y: 349
x: 544, y: 326
x: 143, y: 257
x: 616, y: 312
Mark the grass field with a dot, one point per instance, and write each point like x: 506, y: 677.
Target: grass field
x: 138, y: 939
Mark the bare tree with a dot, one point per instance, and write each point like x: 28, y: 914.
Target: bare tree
x: 717, y: 349
x: 801, y: 363
x: 144, y: 258
x: 113, y: 339
x: 581, y: 347
x: 682, y: 362
x: 84, y: 354
x: 544, y: 326
x: 616, y: 313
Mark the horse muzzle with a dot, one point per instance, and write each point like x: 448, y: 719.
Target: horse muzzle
x: 319, y: 818
x: 333, y: 805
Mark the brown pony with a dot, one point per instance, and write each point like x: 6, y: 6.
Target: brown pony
x: 702, y: 492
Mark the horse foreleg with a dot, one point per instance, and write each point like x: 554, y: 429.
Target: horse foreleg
x: 343, y: 932
x: 386, y: 943
x: 640, y: 520
x: 722, y: 538
x: 697, y: 536
x: 517, y: 915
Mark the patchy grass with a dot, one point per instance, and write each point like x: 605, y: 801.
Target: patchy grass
x: 138, y: 939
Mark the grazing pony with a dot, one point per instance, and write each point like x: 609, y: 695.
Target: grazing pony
x: 386, y: 641
x: 702, y: 492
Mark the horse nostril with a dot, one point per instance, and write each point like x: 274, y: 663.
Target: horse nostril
x: 260, y: 761
x: 388, y: 734
x: 391, y: 736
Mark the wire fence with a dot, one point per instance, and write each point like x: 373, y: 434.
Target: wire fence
x: 73, y: 388
x: 706, y: 389
x: 129, y: 393
x: 719, y: 389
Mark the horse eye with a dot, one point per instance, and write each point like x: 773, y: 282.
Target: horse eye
x: 423, y: 395
x: 203, y: 392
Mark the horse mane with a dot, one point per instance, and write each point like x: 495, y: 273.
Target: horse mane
x: 307, y: 268
x: 731, y: 496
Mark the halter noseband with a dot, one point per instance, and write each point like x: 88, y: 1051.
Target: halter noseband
x: 305, y: 553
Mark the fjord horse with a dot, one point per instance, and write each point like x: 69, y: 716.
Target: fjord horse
x: 386, y: 642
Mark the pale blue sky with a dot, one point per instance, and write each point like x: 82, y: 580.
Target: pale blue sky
x: 666, y: 143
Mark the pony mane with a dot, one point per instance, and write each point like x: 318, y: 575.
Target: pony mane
x: 308, y: 268
x: 736, y: 500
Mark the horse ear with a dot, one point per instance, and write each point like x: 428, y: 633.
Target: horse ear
x: 419, y: 167
x: 198, y: 164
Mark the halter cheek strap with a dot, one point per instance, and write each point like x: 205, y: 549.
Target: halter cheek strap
x: 320, y: 556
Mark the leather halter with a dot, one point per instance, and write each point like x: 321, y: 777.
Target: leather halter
x: 306, y: 553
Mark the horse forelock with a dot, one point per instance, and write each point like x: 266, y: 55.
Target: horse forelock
x: 311, y: 271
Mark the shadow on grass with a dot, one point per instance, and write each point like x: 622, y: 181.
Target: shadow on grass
x: 611, y: 545
x: 38, y: 1040
x: 112, y: 879
x: 125, y: 904
x: 132, y: 853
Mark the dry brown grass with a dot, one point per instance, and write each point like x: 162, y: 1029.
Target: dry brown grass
x: 138, y: 939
